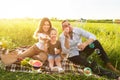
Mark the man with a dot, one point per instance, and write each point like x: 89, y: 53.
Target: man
x: 78, y: 52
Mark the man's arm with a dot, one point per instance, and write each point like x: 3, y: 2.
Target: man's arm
x: 89, y: 36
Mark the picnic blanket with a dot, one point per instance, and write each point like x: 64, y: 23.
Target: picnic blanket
x: 17, y: 67
x: 66, y: 65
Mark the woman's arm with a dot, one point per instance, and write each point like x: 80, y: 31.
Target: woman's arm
x: 35, y: 35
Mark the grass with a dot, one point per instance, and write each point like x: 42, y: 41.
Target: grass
x: 19, y: 32
x: 5, y: 75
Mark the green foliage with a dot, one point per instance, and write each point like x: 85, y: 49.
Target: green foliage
x: 18, y: 32
x: 101, y: 21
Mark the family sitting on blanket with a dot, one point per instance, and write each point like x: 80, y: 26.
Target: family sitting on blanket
x: 71, y: 44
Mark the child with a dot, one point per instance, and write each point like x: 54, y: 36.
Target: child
x: 54, y: 50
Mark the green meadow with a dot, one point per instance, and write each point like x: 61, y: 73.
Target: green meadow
x: 19, y: 32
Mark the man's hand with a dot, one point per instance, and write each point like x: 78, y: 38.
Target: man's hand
x: 82, y: 46
x: 66, y: 32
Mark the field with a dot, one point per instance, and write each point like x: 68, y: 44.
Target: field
x: 19, y: 32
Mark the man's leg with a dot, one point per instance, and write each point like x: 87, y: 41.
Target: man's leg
x: 81, y: 60
x: 96, y: 45
x: 104, y: 56
x: 103, y: 72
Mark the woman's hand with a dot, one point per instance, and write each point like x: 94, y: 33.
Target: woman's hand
x: 45, y: 38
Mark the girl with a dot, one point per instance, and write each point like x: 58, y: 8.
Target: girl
x: 54, y: 50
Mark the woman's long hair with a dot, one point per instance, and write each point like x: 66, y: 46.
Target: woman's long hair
x: 42, y: 24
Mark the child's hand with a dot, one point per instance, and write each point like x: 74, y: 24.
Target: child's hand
x: 57, y: 51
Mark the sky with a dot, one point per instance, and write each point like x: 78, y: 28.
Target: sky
x: 61, y: 9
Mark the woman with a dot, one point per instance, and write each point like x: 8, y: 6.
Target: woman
x: 37, y: 51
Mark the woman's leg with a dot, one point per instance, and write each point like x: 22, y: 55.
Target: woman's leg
x: 42, y: 56
x: 33, y: 50
x: 12, y: 58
